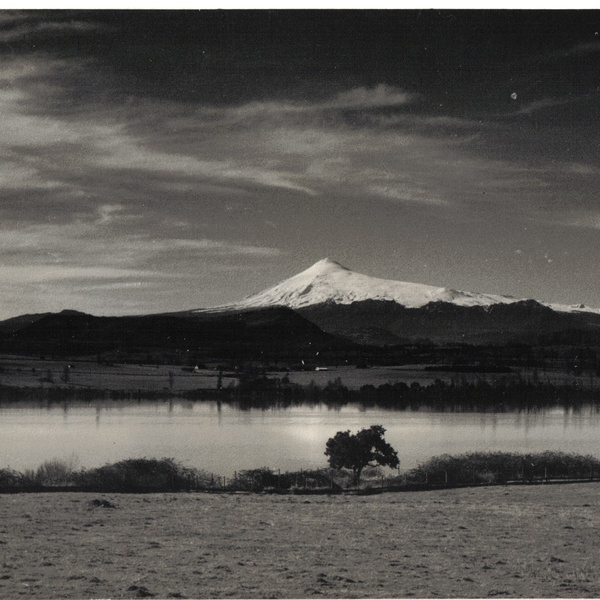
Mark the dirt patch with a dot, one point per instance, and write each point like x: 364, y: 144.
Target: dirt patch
x: 509, y: 542
x: 101, y: 503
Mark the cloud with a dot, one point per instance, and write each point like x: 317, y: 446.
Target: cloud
x: 45, y: 273
x: 19, y: 26
x: 214, y: 247
x: 107, y: 213
x: 579, y: 49
x: 354, y: 99
x: 252, y: 148
x: 539, y: 105
x: 16, y: 176
x: 147, y: 187
x: 584, y: 219
x: 363, y: 98
x: 116, y: 155
x: 107, y: 263
x: 433, y: 125
x: 579, y: 169
x: 408, y: 194
x: 120, y: 152
x: 96, y: 248
x: 80, y: 143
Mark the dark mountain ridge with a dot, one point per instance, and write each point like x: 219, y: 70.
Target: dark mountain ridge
x: 387, y: 322
x: 245, y: 334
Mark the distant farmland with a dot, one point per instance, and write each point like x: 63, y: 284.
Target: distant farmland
x: 34, y: 373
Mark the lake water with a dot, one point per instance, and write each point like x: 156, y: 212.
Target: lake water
x: 223, y: 439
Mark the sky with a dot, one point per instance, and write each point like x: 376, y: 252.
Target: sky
x: 155, y: 161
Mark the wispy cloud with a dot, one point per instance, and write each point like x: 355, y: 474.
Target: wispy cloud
x: 273, y: 145
x: 38, y: 273
x: 15, y: 176
x: 121, y: 152
x: 539, y: 105
x: 17, y: 25
x: 355, y: 99
x: 583, y: 219
x: 96, y: 248
x: 404, y: 193
x: 70, y: 264
x: 112, y: 153
x: 85, y: 144
x: 363, y: 98
x: 579, y: 49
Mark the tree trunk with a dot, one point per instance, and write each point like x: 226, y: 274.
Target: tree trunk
x: 357, y: 473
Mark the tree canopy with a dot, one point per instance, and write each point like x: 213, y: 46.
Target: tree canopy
x: 356, y: 451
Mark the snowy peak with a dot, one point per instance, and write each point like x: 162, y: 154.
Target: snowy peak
x: 325, y: 266
x: 327, y: 281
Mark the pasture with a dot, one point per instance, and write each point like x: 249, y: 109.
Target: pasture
x: 518, y: 541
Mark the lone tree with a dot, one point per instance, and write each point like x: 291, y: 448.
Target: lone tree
x: 366, y: 448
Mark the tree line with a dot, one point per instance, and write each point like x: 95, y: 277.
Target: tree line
x: 257, y: 390
x: 459, y: 394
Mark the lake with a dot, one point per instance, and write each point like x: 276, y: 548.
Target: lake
x: 223, y: 439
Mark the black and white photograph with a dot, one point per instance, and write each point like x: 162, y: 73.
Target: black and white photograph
x: 299, y: 303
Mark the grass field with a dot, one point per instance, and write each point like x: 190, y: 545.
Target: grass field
x: 519, y: 541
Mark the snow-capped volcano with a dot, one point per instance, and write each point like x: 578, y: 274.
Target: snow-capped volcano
x: 328, y: 282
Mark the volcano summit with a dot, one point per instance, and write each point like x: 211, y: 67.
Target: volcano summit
x: 328, y: 282
x: 371, y: 310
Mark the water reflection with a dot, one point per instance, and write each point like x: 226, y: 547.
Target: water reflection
x: 224, y: 437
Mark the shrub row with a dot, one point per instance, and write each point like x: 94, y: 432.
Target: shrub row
x: 143, y: 475
x: 502, y: 467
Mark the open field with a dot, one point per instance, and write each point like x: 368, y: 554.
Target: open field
x: 31, y: 372
x: 354, y: 378
x: 518, y: 541
x: 18, y: 371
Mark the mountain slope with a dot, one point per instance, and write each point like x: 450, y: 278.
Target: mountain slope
x: 16, y: 323
x: 268, y: 332
x: 329, y: 282
x: 388, y: 323
x: 373, y: 311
